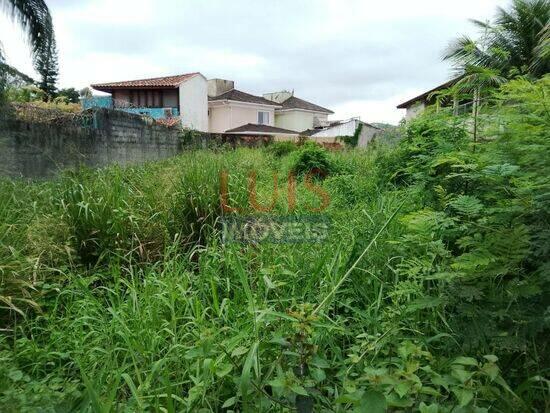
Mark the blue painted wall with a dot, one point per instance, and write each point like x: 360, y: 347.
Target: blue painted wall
x: 107, y: 102
x: 97, y: 102
x: 156, y: 113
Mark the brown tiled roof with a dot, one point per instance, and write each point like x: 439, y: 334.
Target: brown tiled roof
x: 296, y: 103
x: 425, y: 95
x: 155, y: 82
x: 237, y: 95
x: 255, y: 128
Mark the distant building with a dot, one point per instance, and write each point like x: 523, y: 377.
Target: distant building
x: 338, y: 129
x: 416, y: 105
x: 215, y: 106
x: 230, y: 109
x: 297, y: 114
x: 183, y: 96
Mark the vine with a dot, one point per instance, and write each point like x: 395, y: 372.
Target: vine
x: 352, y: 140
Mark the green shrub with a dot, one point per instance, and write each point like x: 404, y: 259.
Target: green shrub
x: 430, y: 293
x: 280, y: 149
x: 352, y: 140
x: 313, y: 159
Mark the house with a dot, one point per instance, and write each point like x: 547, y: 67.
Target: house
x: 183, y: 96
x: 297, y: 114
x: 416, y: 105
x: 334, y: 132
x: 252, y: 130
x: 232, y: 111
x: 213, y: 106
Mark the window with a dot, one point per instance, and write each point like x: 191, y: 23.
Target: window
x: 263, y: 118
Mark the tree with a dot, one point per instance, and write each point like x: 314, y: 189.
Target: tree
x: 3, y: 76
x: 70, y: 93
x: 46, y: 65
x: 516, y: 43
x: 477, y: 80
x: 35, y: 19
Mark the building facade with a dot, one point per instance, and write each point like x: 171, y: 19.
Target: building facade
x: 229, y: 108
x: 297, y: 114
x: 183, y: 96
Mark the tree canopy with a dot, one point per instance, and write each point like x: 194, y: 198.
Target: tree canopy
x: 35, y: 19
x: 516, y: 43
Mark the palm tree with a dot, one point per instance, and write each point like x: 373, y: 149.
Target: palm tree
x: 516, y: 43
x: 35, y: 19
x: 2, y: 72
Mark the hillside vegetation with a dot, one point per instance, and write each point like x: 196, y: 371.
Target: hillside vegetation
x: 429, y: 295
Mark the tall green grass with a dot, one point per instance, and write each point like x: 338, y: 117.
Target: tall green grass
x: 428, y: 294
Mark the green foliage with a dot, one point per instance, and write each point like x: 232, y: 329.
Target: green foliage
x: 35, y: 20
x: 430, y: 293
x: 190, y: 137
x: 352, y: 141
x: 70, y: 94
x: 483, y: 240
x: 312, y: 159
x: 3, y: 77
x: 25, y: 94
x: 45, y: 63
x: 516, y: 43
x: 280, y: 149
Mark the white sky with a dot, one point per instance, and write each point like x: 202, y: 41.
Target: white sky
x: 357, y: 57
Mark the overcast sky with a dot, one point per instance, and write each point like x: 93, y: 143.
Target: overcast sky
x: 357, y: 57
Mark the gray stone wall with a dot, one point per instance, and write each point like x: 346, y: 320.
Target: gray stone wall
x: 123, y: 128
x: 39, y: 143
x: 30, y: 148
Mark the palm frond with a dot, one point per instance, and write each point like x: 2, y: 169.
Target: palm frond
x: 516, y: 42
x: 463, y: 49
x: 477, y: 77
x: 481, y: 24
x: 541, y: 59
x: 35, y: 19
x: 11, y: 71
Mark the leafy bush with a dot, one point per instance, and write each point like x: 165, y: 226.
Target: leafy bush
x: 352, y: 140
x: 312, y: 159
x: 25, y: 94
x: 280, y: 149
x: 430, y: 293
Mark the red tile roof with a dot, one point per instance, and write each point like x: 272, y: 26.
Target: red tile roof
x: 155, y: 82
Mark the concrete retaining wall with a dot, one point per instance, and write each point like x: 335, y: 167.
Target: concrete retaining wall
x: 34, y: 149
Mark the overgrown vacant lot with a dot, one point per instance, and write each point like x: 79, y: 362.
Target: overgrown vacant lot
x: 430, y: 293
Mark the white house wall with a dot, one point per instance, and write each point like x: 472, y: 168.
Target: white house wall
x: 194, y: 103
x: 297, y: 120
x: 367, y: 135
x: 414, y: 110
x: 224, y: 116
x: 347, y: 129
x: 219, y: 117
